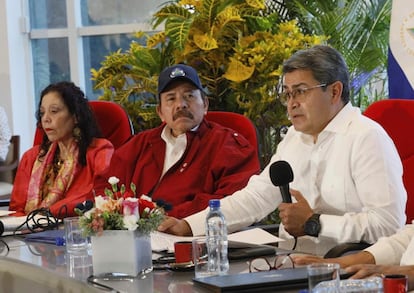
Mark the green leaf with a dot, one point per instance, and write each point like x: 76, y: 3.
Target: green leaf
x: 178, y: 29
x: 133, y: 188
x: 108, y: 192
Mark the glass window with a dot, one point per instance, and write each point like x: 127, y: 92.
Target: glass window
x: 106, y: 12
x: 54, y: 42
x: 50, y: 63
x: 95, y: 49
x: 47, y: 14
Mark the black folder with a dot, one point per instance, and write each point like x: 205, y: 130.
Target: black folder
x: 268, y: 281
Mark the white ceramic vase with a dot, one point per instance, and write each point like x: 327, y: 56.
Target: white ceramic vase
x: 121, y: 251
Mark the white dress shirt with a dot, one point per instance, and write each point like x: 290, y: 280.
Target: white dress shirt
x: 174, y: 148
x: 352, y: 176
x: 396, y: 249
x: 5, y: 134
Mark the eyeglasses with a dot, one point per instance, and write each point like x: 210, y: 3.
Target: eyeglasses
x: 299, y: 94
x: 261, y: 264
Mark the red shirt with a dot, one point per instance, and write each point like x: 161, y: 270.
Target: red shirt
x: 217, y: 162
x: 98, y: 157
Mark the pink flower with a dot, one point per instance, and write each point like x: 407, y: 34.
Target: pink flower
x: 130, y: 206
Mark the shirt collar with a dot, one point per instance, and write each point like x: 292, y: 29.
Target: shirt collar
x: 167, y: 136
x: 338, y: 124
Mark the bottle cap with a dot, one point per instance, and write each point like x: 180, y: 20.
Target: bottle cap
x: 214, y: 203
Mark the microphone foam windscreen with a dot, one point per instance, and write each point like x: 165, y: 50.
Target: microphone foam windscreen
x: 88, y: 205
x: 281, y: 173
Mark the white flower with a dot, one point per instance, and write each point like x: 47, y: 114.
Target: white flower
x: 100, y: 202
x: 146, y: 197
x: 130, y: 222
x: 88, y: 214
x: 113, y: 180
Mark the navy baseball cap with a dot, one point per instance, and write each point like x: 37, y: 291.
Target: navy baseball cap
x: 178, y: 72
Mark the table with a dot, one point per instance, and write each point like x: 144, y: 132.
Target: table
x: 35, y: 267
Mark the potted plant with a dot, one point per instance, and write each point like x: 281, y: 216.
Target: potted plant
x: 119, y: 219
x: 237, y: 49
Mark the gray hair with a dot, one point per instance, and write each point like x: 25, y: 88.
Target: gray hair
x: 326, y: 64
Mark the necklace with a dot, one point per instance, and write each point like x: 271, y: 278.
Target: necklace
x: 57, y: 165
x: 60, y: 162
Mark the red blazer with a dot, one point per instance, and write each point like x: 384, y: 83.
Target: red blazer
x: 98, y: 158
x: 217, y: 162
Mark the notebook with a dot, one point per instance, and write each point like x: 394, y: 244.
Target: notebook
x: 268, y: 281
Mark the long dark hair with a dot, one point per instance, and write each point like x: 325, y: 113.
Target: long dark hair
x: 78, y: 105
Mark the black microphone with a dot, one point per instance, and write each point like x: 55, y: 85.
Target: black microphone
x: 88, y: 205
x: 281, y: 175
x: 85, y: 206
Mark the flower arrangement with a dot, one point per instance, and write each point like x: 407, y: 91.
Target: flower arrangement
x: 119, y: 209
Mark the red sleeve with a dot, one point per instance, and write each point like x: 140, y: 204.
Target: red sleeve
x: 21, y: 182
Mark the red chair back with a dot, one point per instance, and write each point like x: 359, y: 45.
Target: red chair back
x: 237, y: 122
x: 112, y: 119
x: 396, y: 116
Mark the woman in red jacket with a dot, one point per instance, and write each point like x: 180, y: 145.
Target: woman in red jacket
x: 58, y: 173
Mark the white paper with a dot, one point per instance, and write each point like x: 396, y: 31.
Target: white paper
x: 165, y: 242
x: 255, y: 236
x: 251, y: 237
x: 6, y: 213
x: 12, y: 223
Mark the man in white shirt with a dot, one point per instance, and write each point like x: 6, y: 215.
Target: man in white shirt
x: 390, y: 255
x: 347, y: 183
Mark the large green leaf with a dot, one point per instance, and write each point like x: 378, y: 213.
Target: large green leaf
x: 171, y: 11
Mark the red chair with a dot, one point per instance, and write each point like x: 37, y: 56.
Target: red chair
x: 237, y: 122
x: 396, y: 116
x: 112, y: 119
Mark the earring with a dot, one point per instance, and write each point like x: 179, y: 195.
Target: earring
x: 77, y: 133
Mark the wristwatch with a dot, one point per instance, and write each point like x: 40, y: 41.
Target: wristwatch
x: 312, y: 226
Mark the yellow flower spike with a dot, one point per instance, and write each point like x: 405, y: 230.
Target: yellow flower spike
x: 238, y: 72
x: 139, y: 34
x: 259, y: 4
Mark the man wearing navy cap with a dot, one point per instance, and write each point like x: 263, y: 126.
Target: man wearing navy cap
x: 188, y: 160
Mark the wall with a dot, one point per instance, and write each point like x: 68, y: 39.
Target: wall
x: 15, y: 72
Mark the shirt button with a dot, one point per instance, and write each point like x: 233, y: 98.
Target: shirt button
x: 236, y: 134
x: 185, y: 165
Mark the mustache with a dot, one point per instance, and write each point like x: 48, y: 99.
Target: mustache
x: 183, y: 113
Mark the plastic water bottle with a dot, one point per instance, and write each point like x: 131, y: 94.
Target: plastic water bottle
x: 216, y: 237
